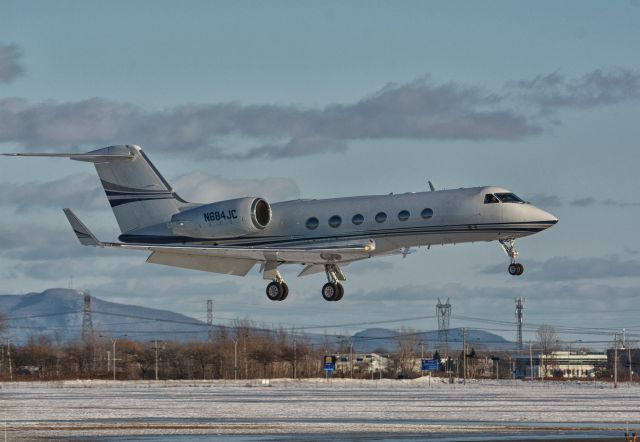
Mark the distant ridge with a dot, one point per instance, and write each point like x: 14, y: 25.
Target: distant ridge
x: 57, y: 312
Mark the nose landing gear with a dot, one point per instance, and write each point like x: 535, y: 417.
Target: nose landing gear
x: 509, y: 247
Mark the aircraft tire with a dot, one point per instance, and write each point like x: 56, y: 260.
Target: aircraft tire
x: 513, y: 269
x: 285, y: 292
x: 520, y: 269
x: 330, y: 291
x: 340, y: 291
x: 274, y: 291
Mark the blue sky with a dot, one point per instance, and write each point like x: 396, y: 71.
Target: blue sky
x: 324, y: 99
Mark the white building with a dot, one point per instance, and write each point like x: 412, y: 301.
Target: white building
x: 561, y: 364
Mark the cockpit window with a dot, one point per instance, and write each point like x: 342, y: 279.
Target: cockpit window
x: 490, y: 198
x: 509, y: 198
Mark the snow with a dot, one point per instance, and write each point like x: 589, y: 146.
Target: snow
x: 313, y: 406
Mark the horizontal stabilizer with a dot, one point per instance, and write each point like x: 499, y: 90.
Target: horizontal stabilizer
x: 91, y: 157
x: 82, y: 232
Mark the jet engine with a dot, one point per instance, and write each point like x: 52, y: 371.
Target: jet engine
x: 224, y: 219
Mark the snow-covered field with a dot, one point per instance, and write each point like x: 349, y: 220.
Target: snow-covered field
x: 315, y: 406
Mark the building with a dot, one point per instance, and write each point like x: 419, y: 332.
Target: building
x: 362, y: 362
x: 563, y: 364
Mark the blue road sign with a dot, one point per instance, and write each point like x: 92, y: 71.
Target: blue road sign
x: 430, y: 365
x: 329, y: 363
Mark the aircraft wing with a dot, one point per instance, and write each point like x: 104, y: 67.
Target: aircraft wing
x: 234, y: 260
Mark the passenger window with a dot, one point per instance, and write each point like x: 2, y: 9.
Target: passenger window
x: 335, y: 221
x: 312, y: 223
x: 357, y: 219
x: 381, y: 217
x: 404, y: 215
x: 426, y: 213
x: 490, y: 198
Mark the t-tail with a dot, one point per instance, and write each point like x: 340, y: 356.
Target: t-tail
x: 139, y: 195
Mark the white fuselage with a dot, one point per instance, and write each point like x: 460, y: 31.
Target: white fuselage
x: 455, y: 216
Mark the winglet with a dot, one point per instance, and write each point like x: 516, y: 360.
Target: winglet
x: 82, y: 232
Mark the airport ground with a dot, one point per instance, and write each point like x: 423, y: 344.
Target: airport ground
x: 318, y: 409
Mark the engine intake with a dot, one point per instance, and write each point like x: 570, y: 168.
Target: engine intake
x: 224, y: 219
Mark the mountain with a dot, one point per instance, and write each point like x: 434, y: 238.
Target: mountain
x: 59, y: 313
x: 381, y: 340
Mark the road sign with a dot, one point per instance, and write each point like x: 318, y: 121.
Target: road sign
x: 329, y: 363
x: 430, y: 365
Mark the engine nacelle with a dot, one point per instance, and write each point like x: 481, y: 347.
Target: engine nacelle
x: 224, y: 219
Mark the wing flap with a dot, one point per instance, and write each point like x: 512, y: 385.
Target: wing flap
x: 309, y: 254
x: 227, y: 266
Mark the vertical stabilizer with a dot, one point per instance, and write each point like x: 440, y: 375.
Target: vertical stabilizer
x: 137, y: 192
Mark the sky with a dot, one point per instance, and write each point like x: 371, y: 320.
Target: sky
x: 289, y: 99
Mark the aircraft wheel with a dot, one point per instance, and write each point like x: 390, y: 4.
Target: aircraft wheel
x: 516, y: 269
x: 340, y: 291
x: 285, y: 292
x: 275, y: 291
x: 330, y: 291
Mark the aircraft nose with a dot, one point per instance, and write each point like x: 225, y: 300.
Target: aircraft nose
x: 547, y: 218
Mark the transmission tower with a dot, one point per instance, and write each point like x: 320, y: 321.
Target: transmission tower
x: 87, y: 325
x: 519, y: 318
x: 443, y: 312
x: 210, y: 319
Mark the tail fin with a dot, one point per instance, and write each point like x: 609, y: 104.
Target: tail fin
x: 138, y: 194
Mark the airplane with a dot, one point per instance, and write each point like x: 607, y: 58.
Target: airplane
x: 323, y: 235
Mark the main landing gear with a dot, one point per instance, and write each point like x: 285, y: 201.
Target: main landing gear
x: 515, y: 268
x: 333, y: 290
x: 277, y: 289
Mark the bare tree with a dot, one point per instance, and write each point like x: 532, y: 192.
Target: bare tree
x: 548, y: 342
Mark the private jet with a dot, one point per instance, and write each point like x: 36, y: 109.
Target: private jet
x: 322, y: 235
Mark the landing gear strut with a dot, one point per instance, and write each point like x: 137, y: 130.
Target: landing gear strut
x: 509, y: 247
x: 333, y: 290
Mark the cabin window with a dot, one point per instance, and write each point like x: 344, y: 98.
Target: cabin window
x: 404, y: 215
x: 509, y: 198
x: 312, y: 223
x: 490, y: 198
x: 426, y: 213
x: 335, y: 221
x: 357, y: 219
x: 381, y: 217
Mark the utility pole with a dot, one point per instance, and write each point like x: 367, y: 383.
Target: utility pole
x: 210, y: 319
x: 295, y: 359
x: 519, y: 320
x: 235, y: 359
x: 530, y: 362
x: 629, y: 359
x: 464, y: 355
x: 156, y: 348
x: 351, y: 357
x: 9, y: 357
x: 615, y: 360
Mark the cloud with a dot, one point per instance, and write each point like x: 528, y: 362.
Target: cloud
x: 199, y: 186
x: 10, y: 67
x: 544, y: 200
x: 81, y: 191
x: 584, y: 202
x: 596, y: 88
x: 422, y: 109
